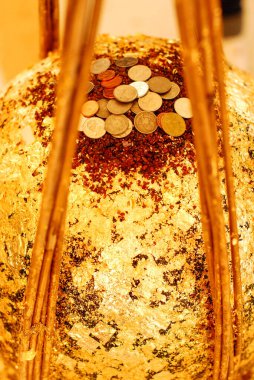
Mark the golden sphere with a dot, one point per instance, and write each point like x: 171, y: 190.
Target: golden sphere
x: 134, y: 300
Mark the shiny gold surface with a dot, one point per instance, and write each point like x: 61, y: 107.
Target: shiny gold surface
x: 134, y: 301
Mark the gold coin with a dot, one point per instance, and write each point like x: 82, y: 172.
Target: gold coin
x: 145, y: 122
x: 94, y: 128
x: 183, y: 107
x: 118, y: 108
x: 125, y: 93
x: 173, y: 92
x: 159, y: 84
x: 90, y: 87
x: 150, y: 102
x: 103, y: 111
x: 89, y: 108
x: 127, y: 132
x: 139, y: 73
x: 141, y: 87
x: 126, y: 61
x: 173, y: 124
x: 100, y: 65
x: 135, y: 108
x: 116, y: 124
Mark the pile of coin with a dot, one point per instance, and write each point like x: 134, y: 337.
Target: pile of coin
x: 143, y: 96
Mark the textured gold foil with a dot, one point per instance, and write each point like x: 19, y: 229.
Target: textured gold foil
x: 134, y: 300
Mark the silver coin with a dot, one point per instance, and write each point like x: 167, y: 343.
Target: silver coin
x: 116, y: 124
x: 94, y: 127
x: 159, y: 84
x: 141, y: 87
x: 81, y: 124
x: 172, y: 93
x: 145, y: 122
x: 100, y: 65
x: 182, y: 106
x: 127, y: 132
x: 150, y: 102
x: 125, y: 93
x: 139, y: 73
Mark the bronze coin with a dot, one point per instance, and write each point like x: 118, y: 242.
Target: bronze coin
x: 126, y: 61
x: 159, y: 84
x: 139, y: 73
x: 116, y: 124
x: 90, y: 87
x: 118, y: 108
x: 145, y: 122
x: 108, y: 93
x: 173, y: 92
x: 150, y: 102
x: 100, y: 65
x: 116, y: 81
x: 159, y: 118
x: 135, y: 108
x: 103, y: 111
x: 125, y: 93
x: 173, y: 124
x: 106, y: 75
x: 89, y: 108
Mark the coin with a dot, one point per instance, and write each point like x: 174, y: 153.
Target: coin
x: 108, y: 93
x: 125, y: 93
x: 159, y: 118
x: 173, y: 92
x: 159, y: 84
x: 89, y: 108
x: 94, y: 128
x: 90, y: 87
x: 150, y: 102
x: 139, y: 73
x: 183, y: 107
x: 116, y: 81
x: 118, y: 108
x: 127, y: 132
x: 106, y: 75
x: 145, y: 122
x: 116, y: 124
x: 126, y: 62
x: 82, y: 120
x: 103, y: 111
x: 141, y: 87
x: 100, y: 65
x: 135, y: 108
x: 173, y: 124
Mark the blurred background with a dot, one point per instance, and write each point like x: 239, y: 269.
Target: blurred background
x: 19, y: 28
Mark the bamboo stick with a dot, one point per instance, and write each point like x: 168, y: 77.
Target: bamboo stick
x: 192, y: 61
x: 199, y: 51
x: 206, y: 48
x: 216, y: 30
x: 81, y: 24
x: 48, y: 26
